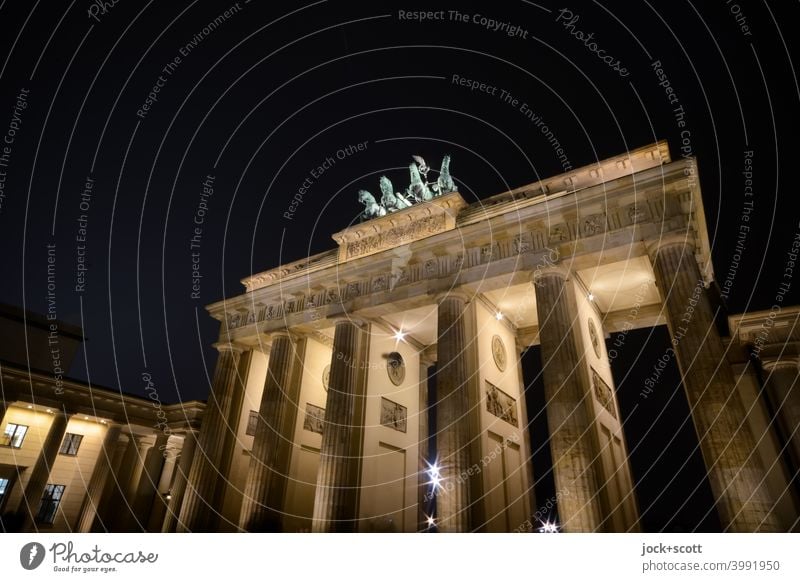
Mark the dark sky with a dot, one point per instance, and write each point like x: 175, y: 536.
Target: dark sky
x: 275, y: 89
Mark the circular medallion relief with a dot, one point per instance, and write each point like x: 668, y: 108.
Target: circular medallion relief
x: 326, y: 377
x: 396, y: 368
x: 593, y: 335
x: 499, y: 352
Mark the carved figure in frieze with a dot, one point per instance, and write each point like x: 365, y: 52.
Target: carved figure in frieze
x: 379, y: 283
x: 332, y: 295
x: 430, y: 267
x: 522, y: 244
x: 352, y: 290
x: 399, y: 276
x: 559, y: 233
x: 594, y: 224
x: 635, y: 213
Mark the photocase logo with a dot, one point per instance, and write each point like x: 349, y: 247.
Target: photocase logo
x: 31, y: 555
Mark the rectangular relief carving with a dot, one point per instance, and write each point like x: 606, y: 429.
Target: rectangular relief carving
x: 393, y: 415
x: 603, y: 393
x: 397, y: 235
x: 501, y: 404
x: 315, y: 418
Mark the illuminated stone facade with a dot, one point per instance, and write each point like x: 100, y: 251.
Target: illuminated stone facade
x: 468, y: 287
x: 319, y: 416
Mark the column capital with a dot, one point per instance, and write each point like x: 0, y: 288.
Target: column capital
x: 122, y: 444
x: 683, y: 238
x: 770, y: 363
x: 266, y: 339
x: 560, y: 270
x: 228, y: 347
x: 359, y: 322
x: 188, y: 431
x: 453, y: 294
x: 273, y: 335
x: 141, y: 441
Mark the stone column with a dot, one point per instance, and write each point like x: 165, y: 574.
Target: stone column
x: 263, y: 494
x: 147, y: 487
x: 454, y: 370
x: 178, y: 488
x: 198, y: 511
x: 110, y: 495
x: 783, y: 390
x: 525, y: 426
x: 34, y: 489
x: 727, y: 445
x: 138, y: 449
x: 163, y: 496
x: 568, y: 399
x: 97, y: 484
x: 335, y: 500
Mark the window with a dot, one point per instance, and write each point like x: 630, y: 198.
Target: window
x: 71, y: 444
x: 3, y: 491
x: 50, y: 501
x: 252, y: 423
x: 13, y: 435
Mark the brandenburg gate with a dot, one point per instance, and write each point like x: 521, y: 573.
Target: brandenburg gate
x: 355, y: 386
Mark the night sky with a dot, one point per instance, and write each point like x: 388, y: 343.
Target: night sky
x: 119, y: 115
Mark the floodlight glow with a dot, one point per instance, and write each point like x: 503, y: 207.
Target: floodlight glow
x: 435, y: 475
x: 549, y: 527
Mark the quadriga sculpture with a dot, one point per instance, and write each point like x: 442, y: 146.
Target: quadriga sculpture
x: 419, y: 190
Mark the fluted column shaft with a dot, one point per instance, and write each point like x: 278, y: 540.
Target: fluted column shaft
x: 97, y: 484
x: 126, y: 519
x: 453, y: 374
x: 143, y: 445
x: 147, y: 487
x: 566, y: 394
x: 335, y: 500
x: 178, y: 488
x: 107, y: 511
x: 263, y: 495
x: 32, y: 496
x: 726, y: 442
x: 198, y: 511
x: 783, y: 390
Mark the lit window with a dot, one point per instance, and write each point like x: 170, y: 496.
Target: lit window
x: 252, y: 423
x: 50, y: 502
x: 3, y: 490
x: 13, y: 435
x: 71, y: 444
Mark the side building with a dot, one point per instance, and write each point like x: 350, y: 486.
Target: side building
x: 80, y: 458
